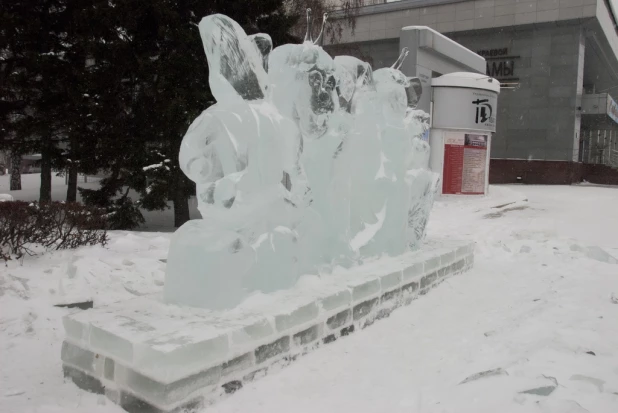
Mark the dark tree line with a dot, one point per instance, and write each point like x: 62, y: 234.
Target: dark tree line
x: 111, y: 86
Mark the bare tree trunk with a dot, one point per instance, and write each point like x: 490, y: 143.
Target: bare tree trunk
x: 46, y: 171
x: 181, y: 201
x: 72, y: 184
x: 15, y: 171
x: 72, y: 169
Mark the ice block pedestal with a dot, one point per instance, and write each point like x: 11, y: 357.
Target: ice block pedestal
x: 149, y: 356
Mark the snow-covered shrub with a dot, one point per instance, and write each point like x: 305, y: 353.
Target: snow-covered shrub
x: 26, y: 227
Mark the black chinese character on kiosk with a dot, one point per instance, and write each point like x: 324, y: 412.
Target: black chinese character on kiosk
x: 483, y: 110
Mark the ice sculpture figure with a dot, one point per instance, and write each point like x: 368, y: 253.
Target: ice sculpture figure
x: 303, y: 163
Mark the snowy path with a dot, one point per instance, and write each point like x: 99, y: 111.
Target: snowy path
x: 532, y: 307
x: 536, y: 305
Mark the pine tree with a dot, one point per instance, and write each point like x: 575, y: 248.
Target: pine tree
x: 112, y: 86
x: 160, y: 80
x: 15, y: 109
x: 42, y: 72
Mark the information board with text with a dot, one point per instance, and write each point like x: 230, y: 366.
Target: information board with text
x: 465, y: 163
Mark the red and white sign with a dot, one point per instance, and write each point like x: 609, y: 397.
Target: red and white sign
x: 465, y: 160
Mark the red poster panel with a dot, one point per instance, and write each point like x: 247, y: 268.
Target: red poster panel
x: 452, y: 174
x: 465, y: 158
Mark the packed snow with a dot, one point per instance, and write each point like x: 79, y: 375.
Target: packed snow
x: 531, y: 328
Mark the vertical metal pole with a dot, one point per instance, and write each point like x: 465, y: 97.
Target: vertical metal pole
x: 605, y: 147
x: 611, y: 148
x: 589, y: 144
x: 585, y: 148
x: 596, y: 160
x: 615, y: 149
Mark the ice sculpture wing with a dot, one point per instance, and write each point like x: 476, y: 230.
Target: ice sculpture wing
x: 264, y: 44
x: 391, y: 85
x: 354, y: 76
x: 414, y: 92
x: 234, y: 61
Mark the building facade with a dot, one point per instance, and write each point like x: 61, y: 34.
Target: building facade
x: 557, y: 64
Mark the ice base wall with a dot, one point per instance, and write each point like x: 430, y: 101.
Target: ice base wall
x: 150, y: 356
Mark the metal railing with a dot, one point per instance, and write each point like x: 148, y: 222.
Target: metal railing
x: 599, y: 147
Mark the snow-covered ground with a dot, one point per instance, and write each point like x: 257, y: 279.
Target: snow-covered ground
x: 538, y: 313
x: 30, y: 183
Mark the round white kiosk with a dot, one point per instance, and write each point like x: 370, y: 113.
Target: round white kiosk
x: 462, y: 122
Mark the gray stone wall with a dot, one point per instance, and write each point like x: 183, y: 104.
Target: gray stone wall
x: 380, y: 53
x: 384, y: 21
x: 538, y: 119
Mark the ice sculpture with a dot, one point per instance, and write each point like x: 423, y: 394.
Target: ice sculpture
x: 304, y: 162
